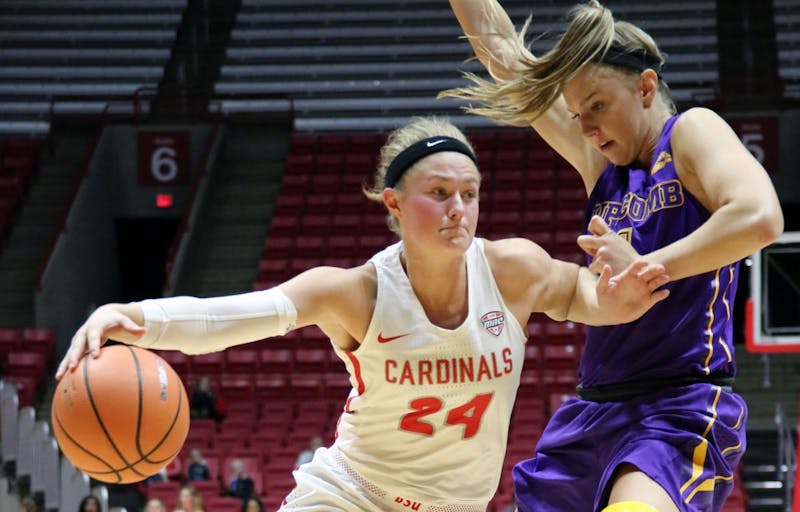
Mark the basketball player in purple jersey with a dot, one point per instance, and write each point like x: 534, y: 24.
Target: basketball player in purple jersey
x: 656, y: 425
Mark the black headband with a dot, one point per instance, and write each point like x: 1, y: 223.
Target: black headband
x: 638, y: 59
x: 419, y: 150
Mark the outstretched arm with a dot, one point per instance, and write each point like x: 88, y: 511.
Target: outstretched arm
x: 494, y: 39
x: 324, y: 296
x: 490, y: 33
x: 531, y: 281
x: 607, y: 300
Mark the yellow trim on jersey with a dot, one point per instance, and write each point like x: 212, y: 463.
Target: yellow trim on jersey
x: 630, y: 506
x: 710, y: 342
x: 739, y: 420
x: 725, y: 295
x: 701, y: 450
x: 726, y: 349
x: 731, y: 449
x: 737, y: 426
x: 727, y: 312
x: 626, y: 234
x: 663, y: 159
x: 707, y: 485
x: 698, y: 457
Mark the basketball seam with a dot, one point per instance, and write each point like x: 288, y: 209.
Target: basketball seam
x: 102, y: 424
x: 145, y: 456
x: 80, y: 446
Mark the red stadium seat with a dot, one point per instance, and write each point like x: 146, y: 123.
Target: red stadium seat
x: 180, y: 362
x: 313, y: 360
x: 167, y: 492
x: 43, y: 340
x: 271, y: 387
x: 208, y: 364
x: 306, y: 386
x: 242, y: 359
x: 275, y: 360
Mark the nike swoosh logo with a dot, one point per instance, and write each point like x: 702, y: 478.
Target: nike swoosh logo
x: 381, y: 339
x: 431, y: 144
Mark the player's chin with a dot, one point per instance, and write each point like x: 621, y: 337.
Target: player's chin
x: 460, y: 240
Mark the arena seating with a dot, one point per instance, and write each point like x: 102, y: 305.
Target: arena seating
x: 26, y: 358
x: 77, y: 55
x: 787, y: 33
x: 368, y: 65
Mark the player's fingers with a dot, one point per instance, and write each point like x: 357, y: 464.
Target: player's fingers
x: 93, y: 338
x: 131, y: 326
x: 589, y: 244
x: 604, y: 279
x: 658, y: 296
x: 657, y: 282
x: 597, y: 265
x: 62, y: 369
x: 648, y: 271
x: 598, y: 226
x: 73, y: 354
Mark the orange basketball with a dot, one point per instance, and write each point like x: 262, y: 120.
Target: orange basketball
x: 122, y: 417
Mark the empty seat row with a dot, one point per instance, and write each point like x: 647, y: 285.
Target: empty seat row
x: 96, y: 50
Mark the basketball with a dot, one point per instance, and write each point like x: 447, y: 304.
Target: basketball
x: 122, y: 417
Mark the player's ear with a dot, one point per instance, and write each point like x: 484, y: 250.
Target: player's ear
x: 648, y: 87
x: 391, y: 201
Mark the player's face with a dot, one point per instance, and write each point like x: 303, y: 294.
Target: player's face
x: 438, y: 203
x: 607, y: 105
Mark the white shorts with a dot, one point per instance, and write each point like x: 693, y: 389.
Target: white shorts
x: 328, y: 484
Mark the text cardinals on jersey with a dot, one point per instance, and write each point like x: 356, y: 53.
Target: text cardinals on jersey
x: 454, y: 370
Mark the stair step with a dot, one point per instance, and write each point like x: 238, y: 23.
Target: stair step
x: 764, y: 484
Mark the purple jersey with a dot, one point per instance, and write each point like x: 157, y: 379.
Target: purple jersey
x: 690, y: 333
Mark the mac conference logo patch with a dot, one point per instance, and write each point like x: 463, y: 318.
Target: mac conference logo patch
x: 493, y: 321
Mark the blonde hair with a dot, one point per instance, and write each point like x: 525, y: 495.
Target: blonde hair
x: 420, y: 128
x: 591, y: 32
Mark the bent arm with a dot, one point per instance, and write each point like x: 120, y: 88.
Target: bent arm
x: 721, y: 173
x: 531, y: 282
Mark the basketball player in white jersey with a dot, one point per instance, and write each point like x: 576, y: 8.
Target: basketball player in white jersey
x: 430, y: 329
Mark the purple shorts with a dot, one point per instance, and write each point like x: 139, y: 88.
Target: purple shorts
x: 688, y: 439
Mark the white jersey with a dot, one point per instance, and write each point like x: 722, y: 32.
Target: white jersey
x: 427, y: 420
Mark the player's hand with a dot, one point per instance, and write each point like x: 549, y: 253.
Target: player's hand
x: 105, y: 322
x: 631, y: 293
x: 606, y: 247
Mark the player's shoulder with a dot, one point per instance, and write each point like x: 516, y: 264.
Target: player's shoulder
x: 514, y: 258
x: 696, y: 120
x: 329, y: 280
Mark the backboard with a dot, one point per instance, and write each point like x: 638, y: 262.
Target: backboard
x: 772, y: 314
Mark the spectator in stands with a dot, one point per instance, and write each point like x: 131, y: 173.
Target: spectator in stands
x: 204, y: 402
x: 28, y: 504
x: 154, y: 505
x: 431, y: 330
x: 680, y: 189
x: 189, y: 500
x: 90, y: 503
x: 241, y: 485
x: 198, y: 470
x: 252, y: 504
x: 160, y: 476
x: 308, y: 453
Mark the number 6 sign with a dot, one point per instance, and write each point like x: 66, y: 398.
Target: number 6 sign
x: 163, y: 158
